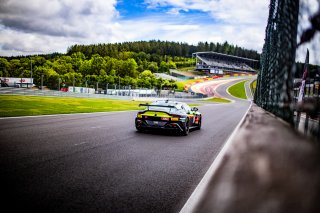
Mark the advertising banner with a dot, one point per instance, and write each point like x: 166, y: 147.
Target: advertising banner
x: 81, y: 90
x: 16, y: 81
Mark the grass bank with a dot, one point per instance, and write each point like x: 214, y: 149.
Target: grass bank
x: 217, y: 100
x: 181, y: 84
x: 238, y: 90
x: 11, y: 106
x: 253, y: 86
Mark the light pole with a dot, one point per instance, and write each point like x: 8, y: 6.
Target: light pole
x: 129, y: 90
x: 59, y: 84
x: 119, y: 85
x: 31, y: 80
x: 41, y: 81
x: 21, y: 79
x: 97, y: 85
x: 192, y: 58
x: 73, y: 84
x: 2, y: 82
x: 106, y: 86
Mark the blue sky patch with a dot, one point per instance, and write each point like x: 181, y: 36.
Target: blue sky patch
x: 138, y: 9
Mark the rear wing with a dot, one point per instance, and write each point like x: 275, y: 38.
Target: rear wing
x: 151, y: 105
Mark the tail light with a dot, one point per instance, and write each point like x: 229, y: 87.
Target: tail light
x: 175, y: 117
x: 165, y: 119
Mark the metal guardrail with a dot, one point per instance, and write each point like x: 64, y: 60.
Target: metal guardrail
x: 121, y: 94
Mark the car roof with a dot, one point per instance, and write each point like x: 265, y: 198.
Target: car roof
x: 167, y: 102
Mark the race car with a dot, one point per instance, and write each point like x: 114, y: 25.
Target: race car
x: 168, y: 115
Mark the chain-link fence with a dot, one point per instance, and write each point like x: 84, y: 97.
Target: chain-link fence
x: 285, y: 87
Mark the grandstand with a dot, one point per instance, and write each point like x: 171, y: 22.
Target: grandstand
x: 218, y: 63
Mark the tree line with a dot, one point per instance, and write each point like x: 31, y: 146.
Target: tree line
x: 163, y: 48
x: 127, y: 63
x: 129, y: 68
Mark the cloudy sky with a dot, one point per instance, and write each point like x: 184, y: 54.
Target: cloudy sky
x: 45, y: 26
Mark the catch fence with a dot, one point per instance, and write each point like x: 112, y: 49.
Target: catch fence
x: 286, y: 88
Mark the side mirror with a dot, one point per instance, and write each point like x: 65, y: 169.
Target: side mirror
x: 194, y: 109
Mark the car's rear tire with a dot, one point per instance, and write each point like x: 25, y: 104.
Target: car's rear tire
x: 186, y: 128
x: 139, y: 128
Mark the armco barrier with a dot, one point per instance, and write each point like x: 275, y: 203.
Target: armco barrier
x: 114, y: 95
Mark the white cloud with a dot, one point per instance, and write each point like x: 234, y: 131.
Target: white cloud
x: 35, y: 26
x: 308, y: 8
x: 229, y: 11
x: 40, y: 26
x: 177, y: 30
x: 57, y: 18
x: 182, y: 4
x: 241, y: 23
x: 175, y: 11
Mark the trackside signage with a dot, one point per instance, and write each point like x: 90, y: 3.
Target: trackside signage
x: 81, y: 90
x: 13, y: 81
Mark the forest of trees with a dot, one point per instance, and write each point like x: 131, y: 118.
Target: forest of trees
x: 130, y: 63
x: 162, y: 48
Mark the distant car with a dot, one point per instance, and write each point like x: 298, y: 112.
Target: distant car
x: 168, y: 115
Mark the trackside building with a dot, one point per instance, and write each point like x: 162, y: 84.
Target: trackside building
x: 218, y: 63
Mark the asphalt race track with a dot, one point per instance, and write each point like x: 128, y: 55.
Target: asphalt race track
x: 99, y: 163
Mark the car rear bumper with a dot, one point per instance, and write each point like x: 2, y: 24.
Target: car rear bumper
x: 144, y: 124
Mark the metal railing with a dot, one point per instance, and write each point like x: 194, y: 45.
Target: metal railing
x: 110, y: 93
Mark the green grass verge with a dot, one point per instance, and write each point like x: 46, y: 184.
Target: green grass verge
x: 180, y: 84
x: 253, y: 86
x: 34, y: 105
x: 186, y: 69
x: 238, y: 90
x: 218, y: 100
x: 12, y: 106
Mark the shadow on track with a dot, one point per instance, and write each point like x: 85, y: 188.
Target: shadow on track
x: 163, y: 132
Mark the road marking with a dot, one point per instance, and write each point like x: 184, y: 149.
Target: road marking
x: 70, y: 114
x: 193, y: 201
x: 96, y: 127
x: 77, y: 144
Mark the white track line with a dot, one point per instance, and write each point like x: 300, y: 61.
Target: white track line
x: 195, y: 197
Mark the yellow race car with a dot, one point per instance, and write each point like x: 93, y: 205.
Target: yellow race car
x: 168, y: 115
